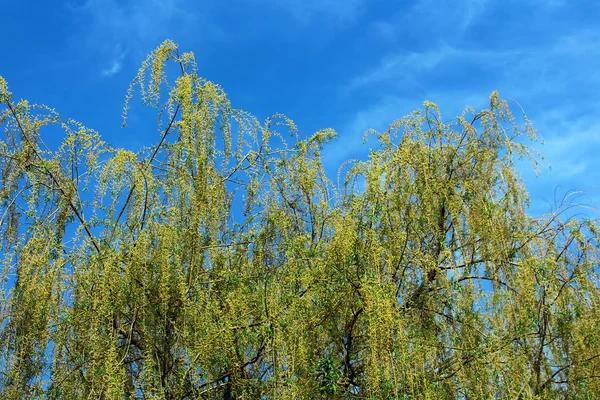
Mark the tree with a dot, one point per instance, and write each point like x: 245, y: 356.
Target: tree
x: 221, y: 262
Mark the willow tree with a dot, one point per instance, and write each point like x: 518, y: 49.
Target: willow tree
x: 221, y: 262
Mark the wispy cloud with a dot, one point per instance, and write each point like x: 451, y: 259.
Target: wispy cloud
x: 461, y: 38
x: 432, y: 19
x: 571, y: 146
x: 554, y: 75
x: 139, y: 25
x: 338, y: 12
x: 458, y: 14
x: 116, y: 64
x: 387, y: 109
x: 403, y: 66
x: 135, y: 26
x: 566, y: 65
x: 378, y: 116
x: 115, y: 67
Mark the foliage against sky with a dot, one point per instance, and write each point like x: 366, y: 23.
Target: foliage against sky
x: 348, y: 64
x: 222, y: 262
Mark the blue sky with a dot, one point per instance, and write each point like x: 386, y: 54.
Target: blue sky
x: 350, y: 65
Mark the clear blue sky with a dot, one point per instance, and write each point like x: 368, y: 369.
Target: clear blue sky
x: 346, y: 64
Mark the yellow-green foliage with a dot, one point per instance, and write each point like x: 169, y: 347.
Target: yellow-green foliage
x: 222, y: 263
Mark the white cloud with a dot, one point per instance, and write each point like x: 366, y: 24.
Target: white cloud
x: 136, y: 27
x: 471, y: 10
x: 403, y: 66
x: 554, y: 82
x: 116, y: 63
x: 338, y: 12
x: 116, y: 67
x: 135, y: 18
x: 432, y: 18
x: 570, y: 144
x: 522, y: 71
x: 457, y: 14
x: 386, y: 110
x: 378, y: 116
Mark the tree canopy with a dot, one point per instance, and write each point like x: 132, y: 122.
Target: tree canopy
x: 222, y: 261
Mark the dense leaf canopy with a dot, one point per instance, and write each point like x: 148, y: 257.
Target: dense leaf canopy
x: 221, y: 262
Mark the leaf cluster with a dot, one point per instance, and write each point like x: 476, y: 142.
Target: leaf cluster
x: 221, y: 262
